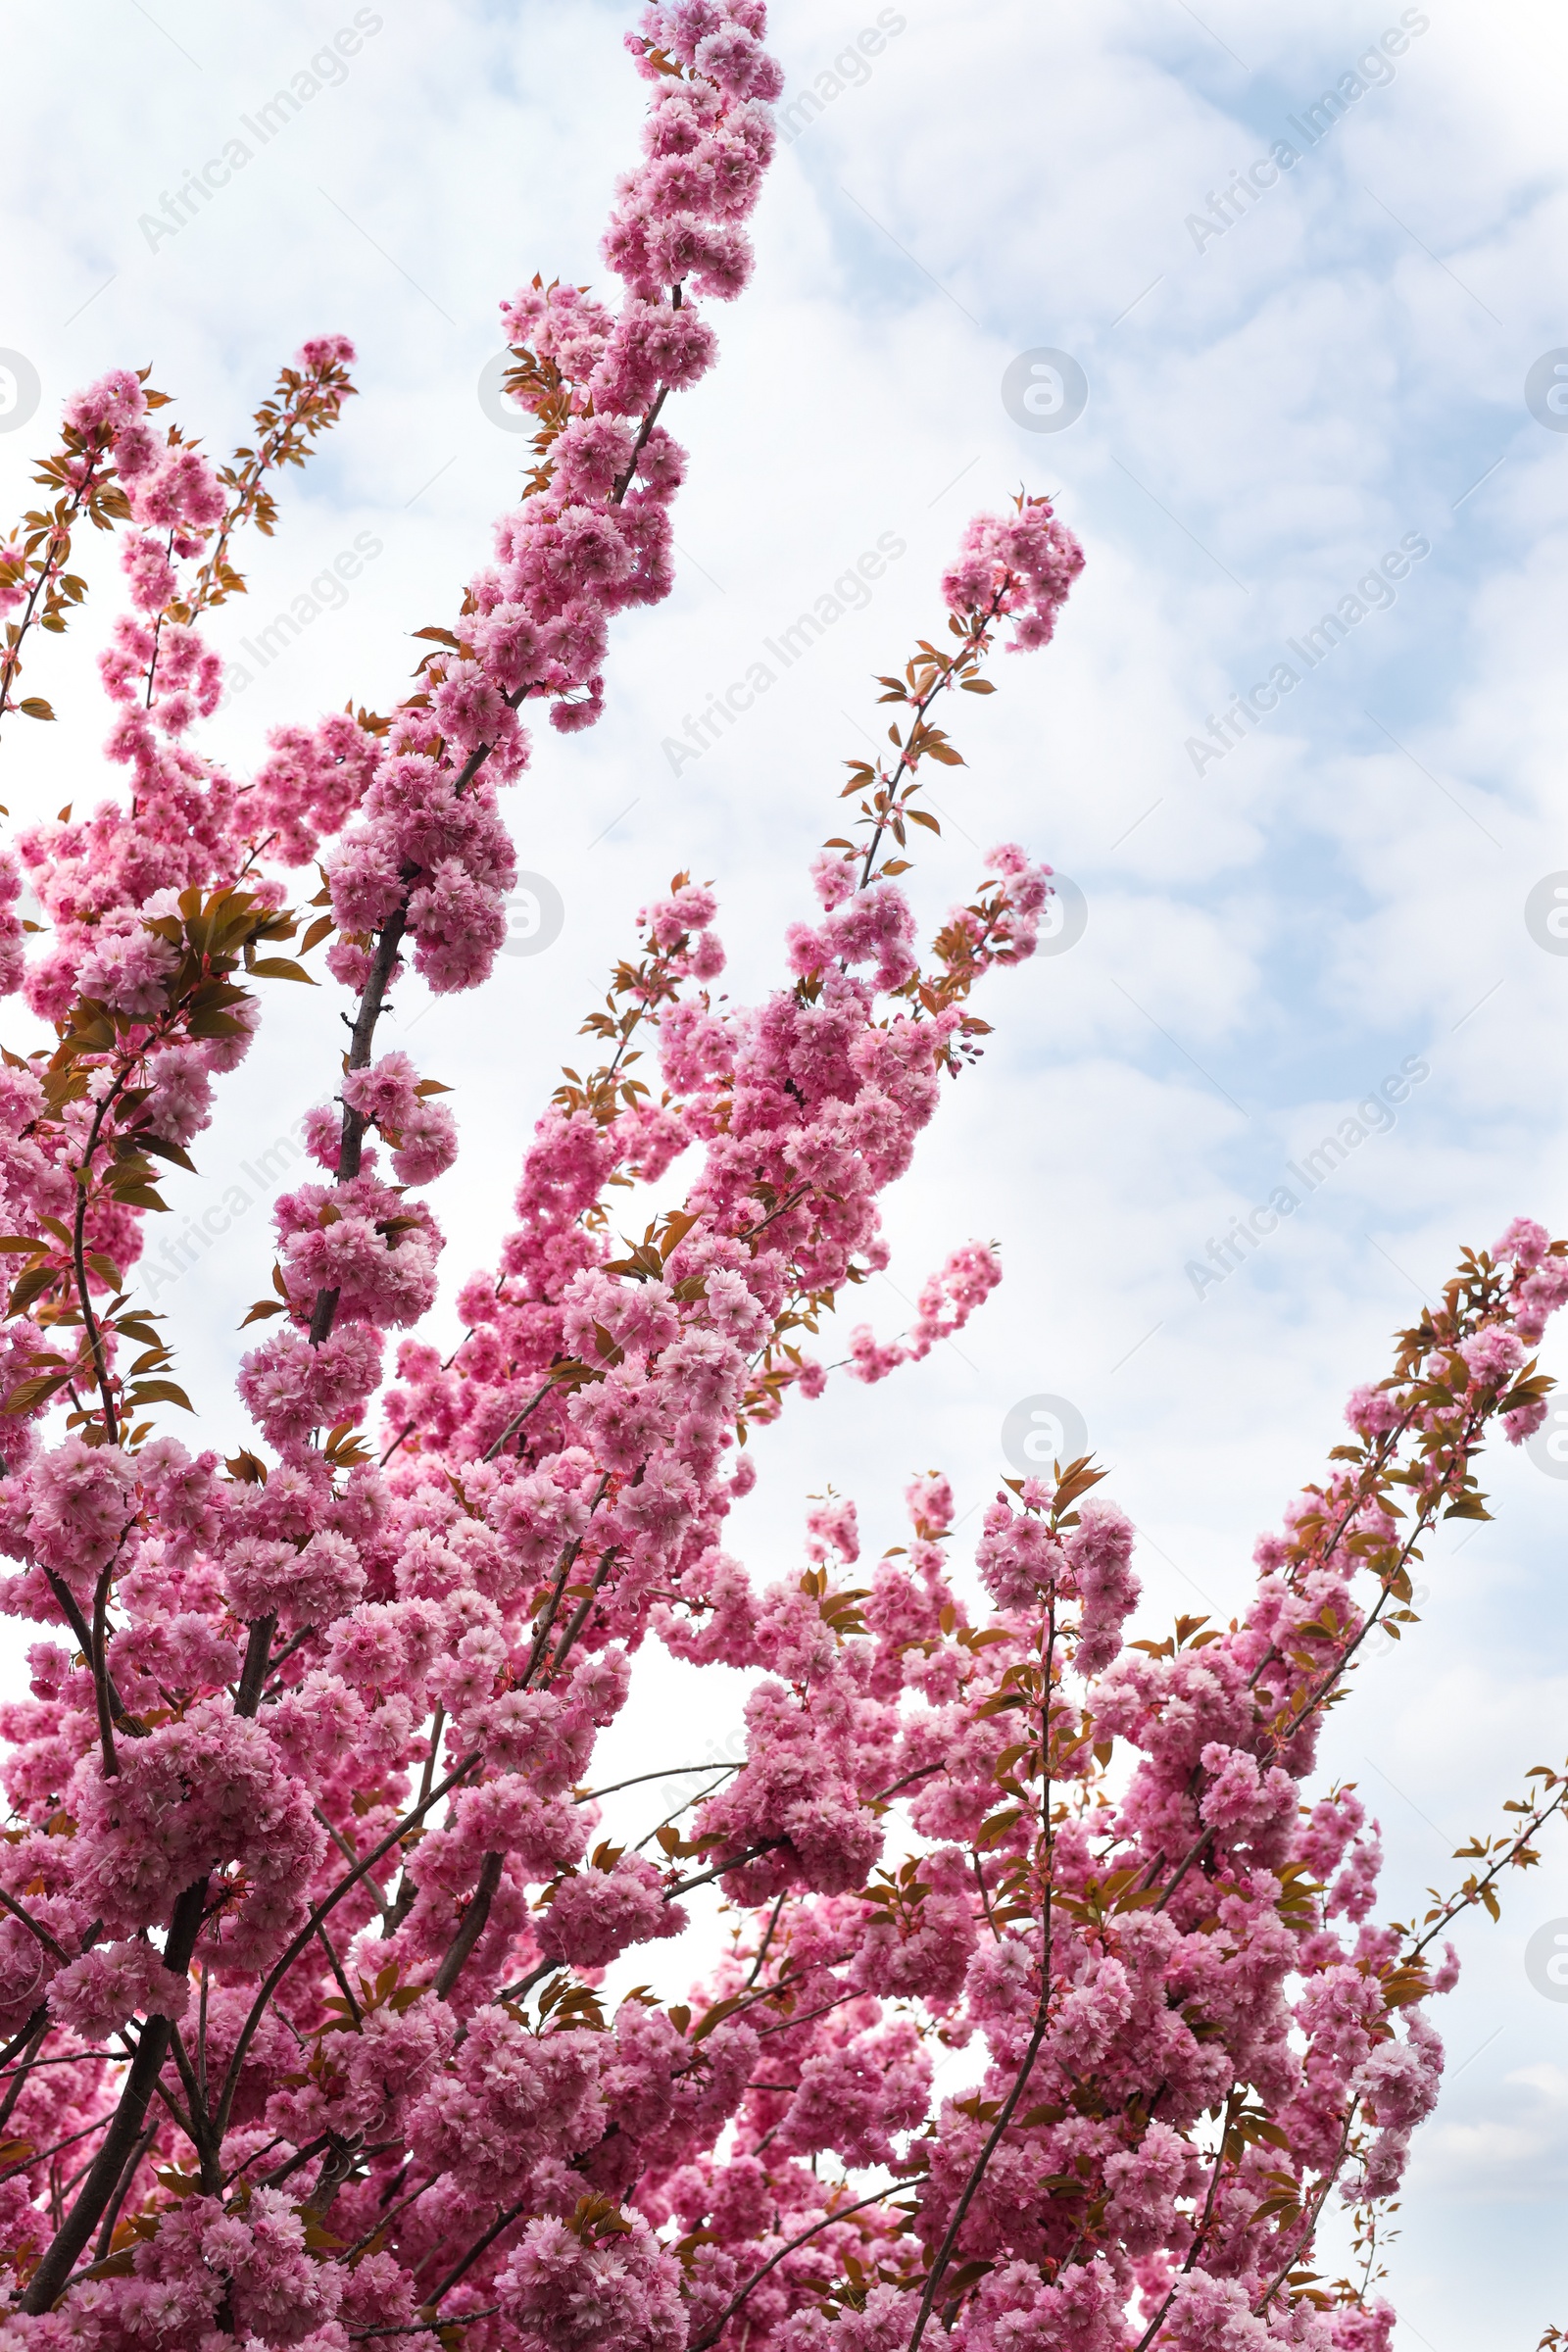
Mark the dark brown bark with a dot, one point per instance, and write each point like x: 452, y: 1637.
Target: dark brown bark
x: 127, y: 2124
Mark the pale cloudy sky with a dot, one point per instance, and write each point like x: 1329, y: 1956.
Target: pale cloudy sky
x: 1283, y: 390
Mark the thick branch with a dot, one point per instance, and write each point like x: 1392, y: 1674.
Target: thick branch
x: 129, y: 2119
x: 253, y: 1674
x: 472, y: 1928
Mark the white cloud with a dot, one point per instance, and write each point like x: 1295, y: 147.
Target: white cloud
x: 1279, y: 407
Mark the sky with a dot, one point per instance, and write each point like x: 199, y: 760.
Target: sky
x: 1277, y: 358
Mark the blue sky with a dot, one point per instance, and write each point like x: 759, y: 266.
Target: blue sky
x: 1267, y: 416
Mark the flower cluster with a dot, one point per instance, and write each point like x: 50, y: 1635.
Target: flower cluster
x: 1019, y: 564
x: 187, y: 822
x: 590, y: 540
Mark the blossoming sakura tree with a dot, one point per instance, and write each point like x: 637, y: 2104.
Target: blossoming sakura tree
x: 306, y: 1919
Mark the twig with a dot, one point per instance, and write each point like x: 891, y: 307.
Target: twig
x: 343, y: 1984
x: 33, y: 1928
x: 460, y: 2318
x: 513, y: 1426
x: 703, y: 2342
x: 671, y: 1772
x: 503, y: 2222
x: 762, y: 1950
x: 293, y: 1949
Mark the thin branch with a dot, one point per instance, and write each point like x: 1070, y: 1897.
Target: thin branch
x: 482, y: 2245
x: 1009, y: 2105
x: 44, y: 2155
x: 387, y: 2219
x: 976, y: 643
x: 985, y: 1899
x: 671, y: 1772
x: 511, y: 1428
x: 293, y: 1949
x: 198, y: 2125
x: 99, y: 1656
x: 80, y: 1259
x: 460, y: 2319
x: 70, y: 1609
x: 293, y: 2164
x: 567, y: 1561
x: 1202, y: 2231
x: 26, y: 2069
x: 335, y: 1834
x: 255, y: 2157
x: 280, y: 1657
x: 770, y: 1845
x: 343, y: 1984
x: 842, y: 2214
x: 579, y: 1616
x: 36, y: 2027
x: 525, y: 1985
x: 437, y: 1726
x: 762, y: 1950
x: 33, y: 1928
x: 1465, y: 1901
x: 1308, y: 2233
x: 787, y: 2025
